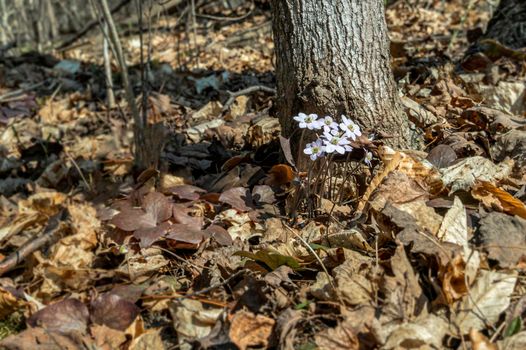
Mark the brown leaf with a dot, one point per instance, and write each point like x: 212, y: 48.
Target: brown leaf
x: 340, y: 337
x: 238, y: 197
x: 106, y: 337
x: 65, y: 316
x: 40, y: 338
x: 285, y: 147
x: 156, y: 208
x: 495, y: 198
x: 442, y: 156
x: 507, y: 249
x: 181, y: 215
x: 150, y: 235
x: 186, y: 192
x: 186, y: 234
x: 219, y: 234
x: 113, y: 311
x: 247, y: 329
x: 480, y: 342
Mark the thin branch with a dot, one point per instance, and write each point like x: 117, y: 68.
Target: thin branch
x: 50, y: 235
x: 247, y: 91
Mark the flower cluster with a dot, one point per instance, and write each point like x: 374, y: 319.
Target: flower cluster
x: 334, y: 137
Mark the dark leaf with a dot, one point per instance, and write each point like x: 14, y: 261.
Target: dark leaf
x: 64, y: 316
x: 150, y: 235
x: 158, y: 205
x: 219, y: 234
x: 238, y: 197
x: 156, y: 208
x: 113, y: 311
x: 442, y: 156
x: 181, y: 215
x: 186, y: 234
x: 186, y: 192
x: 285, y: 146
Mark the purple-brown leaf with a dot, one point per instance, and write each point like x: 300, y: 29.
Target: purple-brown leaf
x: 113, y: 311
x: 65, y: 316
x: 238, y: 197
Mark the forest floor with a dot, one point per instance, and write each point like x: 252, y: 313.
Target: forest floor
x: 204, y: 253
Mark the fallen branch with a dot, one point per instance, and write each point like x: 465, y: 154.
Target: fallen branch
x: 50, y: 235
x: 247, y: 91
x: 13, y: 94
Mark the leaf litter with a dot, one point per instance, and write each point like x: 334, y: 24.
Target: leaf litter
x: 431, y: 254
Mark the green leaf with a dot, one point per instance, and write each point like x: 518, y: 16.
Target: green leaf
x: 302, y: 305
x: 272, y: 260
x: 316, y: 246
x: 514, y: 327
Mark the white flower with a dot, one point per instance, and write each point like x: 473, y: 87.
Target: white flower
x: 350, y: 128
x: 334, y: 142
x: 368, y: 158
x: 315, y: 149
x: 307, y: 121
x: 327, y: 123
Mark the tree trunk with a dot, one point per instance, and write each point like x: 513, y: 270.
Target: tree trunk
x: 508, y: 24
x: 332, y: 58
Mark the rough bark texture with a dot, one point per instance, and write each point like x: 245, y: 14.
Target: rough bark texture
x: 333, y: 58
x: 508, y: 24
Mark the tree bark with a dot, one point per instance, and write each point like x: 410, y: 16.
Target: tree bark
x: 508, y: 24
x: 332, y: 57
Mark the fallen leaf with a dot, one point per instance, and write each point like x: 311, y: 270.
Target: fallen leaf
x: 69, y: 315
x: 156, y: 208
x: 248, y: 329
x: 495, y: 198
x: 464, y: 174
x: 487, y: 299
x: 507, y: 249
x: 424, y: 332
x: 480, y: 342
x: 238, y: 197
x: 113, y: 311
x: 191, y: 321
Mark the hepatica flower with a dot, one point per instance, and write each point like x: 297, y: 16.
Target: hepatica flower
x: 307, y: 121
x: 334, y: 142
x: 327, y: 123
x: 315, y: 149
x: 350, y: 128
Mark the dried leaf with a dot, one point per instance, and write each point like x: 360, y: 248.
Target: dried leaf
x: 238, y: 197
x: 424, y: 332
x: 507, y: 249
x: 156, y: 208
x: 191, y: 321
x: 487, y: 299
x: 285, y: 147
x: 464, y: 174
x: 69, y: 315
x: 495, y: 198
x: 185, y: 192
x: 247, y: 329
x: 113, y: 311
x: 480, y: 342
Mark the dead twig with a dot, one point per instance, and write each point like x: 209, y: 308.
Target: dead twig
x: 247, y: 91
x: 50, y: 235
x: 13, y: 94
